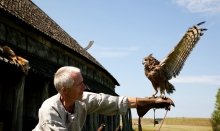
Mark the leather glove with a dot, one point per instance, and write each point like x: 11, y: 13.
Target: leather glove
x: 145, y: 104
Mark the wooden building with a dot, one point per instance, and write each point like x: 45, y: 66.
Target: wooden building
x: 32, y: 48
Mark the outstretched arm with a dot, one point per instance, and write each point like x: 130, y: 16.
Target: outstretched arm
x: 132, y: 102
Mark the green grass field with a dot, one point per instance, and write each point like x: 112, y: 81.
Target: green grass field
x: 175, y: 124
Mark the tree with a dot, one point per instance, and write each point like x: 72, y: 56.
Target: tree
x: 215, y: 119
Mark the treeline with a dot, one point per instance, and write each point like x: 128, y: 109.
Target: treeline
x: 215, y: 118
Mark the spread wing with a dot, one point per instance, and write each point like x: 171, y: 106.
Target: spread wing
x: 174, y: 62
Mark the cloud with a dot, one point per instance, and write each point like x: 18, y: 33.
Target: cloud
x: 110, y: 52
x: 210, y: 80
x: 200, y: 6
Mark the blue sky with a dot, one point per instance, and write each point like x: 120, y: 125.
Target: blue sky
x: 125, y: 31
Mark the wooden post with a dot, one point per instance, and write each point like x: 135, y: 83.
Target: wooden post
x: 45, y: 90
x: 130, y: 120
x: 17, y: 119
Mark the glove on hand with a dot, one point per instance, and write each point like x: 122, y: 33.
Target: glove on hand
x: 145, y: 104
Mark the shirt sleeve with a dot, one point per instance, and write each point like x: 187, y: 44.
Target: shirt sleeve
x: 105, y: 104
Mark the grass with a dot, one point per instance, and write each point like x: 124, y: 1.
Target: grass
x: 175, y: 124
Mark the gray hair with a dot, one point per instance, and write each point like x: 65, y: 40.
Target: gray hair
x: 63, y: 77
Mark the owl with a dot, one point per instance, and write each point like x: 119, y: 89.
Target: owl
x: 160, y: 72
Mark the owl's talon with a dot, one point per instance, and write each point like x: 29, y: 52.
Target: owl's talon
x: 154, y: 96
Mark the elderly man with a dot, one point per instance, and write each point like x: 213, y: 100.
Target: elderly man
x: 67, y: 110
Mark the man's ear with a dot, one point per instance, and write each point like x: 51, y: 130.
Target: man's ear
x: 63, y: 90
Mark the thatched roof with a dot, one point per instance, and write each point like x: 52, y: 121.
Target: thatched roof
x: 28, y: 12
x: 32, y: 15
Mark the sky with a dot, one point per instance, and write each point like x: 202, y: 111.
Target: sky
x: 125, y: 31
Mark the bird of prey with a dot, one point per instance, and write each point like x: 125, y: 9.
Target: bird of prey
x: 160, y: 72
x: 9, y: 54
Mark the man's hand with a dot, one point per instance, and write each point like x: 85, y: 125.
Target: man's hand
x: 163, y: 103
x: 145, y: 104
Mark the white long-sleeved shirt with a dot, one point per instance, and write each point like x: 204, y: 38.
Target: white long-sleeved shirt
x: 53, y: 116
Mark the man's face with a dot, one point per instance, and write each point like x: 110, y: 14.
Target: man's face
x: 76, y: 91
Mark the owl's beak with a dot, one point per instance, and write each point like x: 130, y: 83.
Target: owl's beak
x: 143, y: 62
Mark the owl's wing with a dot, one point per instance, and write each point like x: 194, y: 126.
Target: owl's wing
x: 173, y: 63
